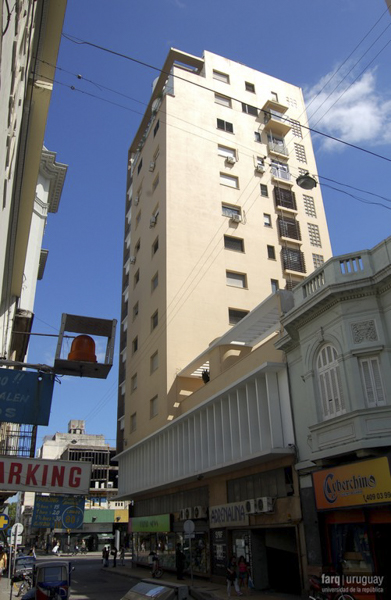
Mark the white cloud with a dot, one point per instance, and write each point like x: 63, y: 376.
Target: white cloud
x: 355, y: 111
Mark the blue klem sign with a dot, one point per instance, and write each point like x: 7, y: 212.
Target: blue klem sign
x: 59, y: 512
x: 25, y: 397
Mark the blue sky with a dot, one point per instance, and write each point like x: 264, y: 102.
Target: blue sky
x: 338, y: 52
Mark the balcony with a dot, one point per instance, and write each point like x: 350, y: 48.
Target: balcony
x: 293, y: 260
x: 289, y: 228
x: 284, y: 199
x: 277, y: 148
x: 281, y: 175
x: 364, y: 428
x: 274, y: 117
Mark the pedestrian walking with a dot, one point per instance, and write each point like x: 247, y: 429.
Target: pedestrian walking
x: 243, y: 573
x: 180, y: 560
x: 232, y: 577
x: 114, y: 555
x: 122, y: 556
x: 3, y: 561
x: 105, y: 557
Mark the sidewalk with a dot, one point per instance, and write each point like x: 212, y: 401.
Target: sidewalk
x: 207, y: 587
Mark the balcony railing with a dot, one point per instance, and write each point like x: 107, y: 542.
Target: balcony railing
x: 284, y: 198
x: 289, y: 228
x: 278, y: 148
x: 293, y: 260
x: 280, y: 173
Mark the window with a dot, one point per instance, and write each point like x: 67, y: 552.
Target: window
x: 140, y: 164
x: 153, y: 407
x: 267, y: 221
x: 291, y: 102
x: 155, y: 183
x: 257, y: 136
x: 277, y: 144
x: 264, y: 190
x: 154, y: 320
x: 271, y: 252
x: 137, y: 246
x: 250, y: 110
x: 318, y: 260
x: 274, y: 96
x: 332, y: 402
x: 250, y: 87
x: 156, y: 154
x: 313, y: 232
x: 235, y: 315
x: 372, y: 381
x: 236, y: 279
x: 136, y: 278
x: 285, y: 198
x: 135, y: 345
x: 260, y: 162
x: 155, y: 129
x: 309, y: 206
x: 280, y: 169
x: 275, y: 286
x: 229, y: 180
x: 223, y: 100
x: 289, y: 228
x: 219, y: 76
x: 226, y: 152
x: 155, y: 246
x: 133, y: 383
x: 300, y: 153
x: 135, y: 311
x: 138, y: 218
x: 233, y: 243
x: 230, y: 211
x: 154, y: 361
x: 154, y: 282
x: 133, y: 422
x: 225, y: 126
x: 296, y: 128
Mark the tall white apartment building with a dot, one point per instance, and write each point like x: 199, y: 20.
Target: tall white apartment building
x: 215, y: 223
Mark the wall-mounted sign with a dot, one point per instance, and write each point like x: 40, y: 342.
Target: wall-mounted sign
x: 25, y: 397
x: 156, y: 523
x: 228, y: 515
x: 59, y: 512
x: 35, y: 475
x: 357, y: 484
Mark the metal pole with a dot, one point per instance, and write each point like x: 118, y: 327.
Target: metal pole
x: 191, y: 561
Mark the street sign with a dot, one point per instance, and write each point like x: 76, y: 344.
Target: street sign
x: 4, y: 521
x: 25, y: 397
x: 188, y: 526
x: 17, y: 529
x: 58, y: 512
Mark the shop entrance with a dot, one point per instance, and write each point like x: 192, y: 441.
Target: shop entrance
x: 275, y: 559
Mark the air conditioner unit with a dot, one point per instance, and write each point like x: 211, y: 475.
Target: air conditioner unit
x: 151, y: 166
x: 200, y: 512
x: 185, y: 513
x: 152, y: 221
x: 110, y: 484
x: 132, y: 260
x: 264, y: 504
x: 136, y: 201
x: 236, y: 218
x: 260, y: 169
x: 231, y: 160
x: 250, y: 507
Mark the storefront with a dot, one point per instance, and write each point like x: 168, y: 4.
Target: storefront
x: 354, y: 505
x: 160, y: 534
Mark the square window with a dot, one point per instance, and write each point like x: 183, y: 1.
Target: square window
x: 135, y: 344
x: 229, y: 180
x: 153, y: 407
x: 154, y: 320
x: 233, y: 212
x: 250, y: 87
x: 233, y: 243
x: 220, y: 76
x: 267, y: 220
x: 226, y: 152
x: 133, y: 383
x: 250, y: 110
x: 155, y: 246
x: 235, y: 315
x: 271, y: 252
x: 154, y: 361
x: 133, y: 422
x: 223, y: 100
x: 236, y: 279
x: 135, y: 310
x: 154, y: 282
x: 257, y: 136
x: 225, y: 126
x: 275, y: 286
x: 264, y: 190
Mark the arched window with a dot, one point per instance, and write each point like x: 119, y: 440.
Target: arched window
x: 330, y: 382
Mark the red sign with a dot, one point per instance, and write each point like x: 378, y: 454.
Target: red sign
x: 36, y: 475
